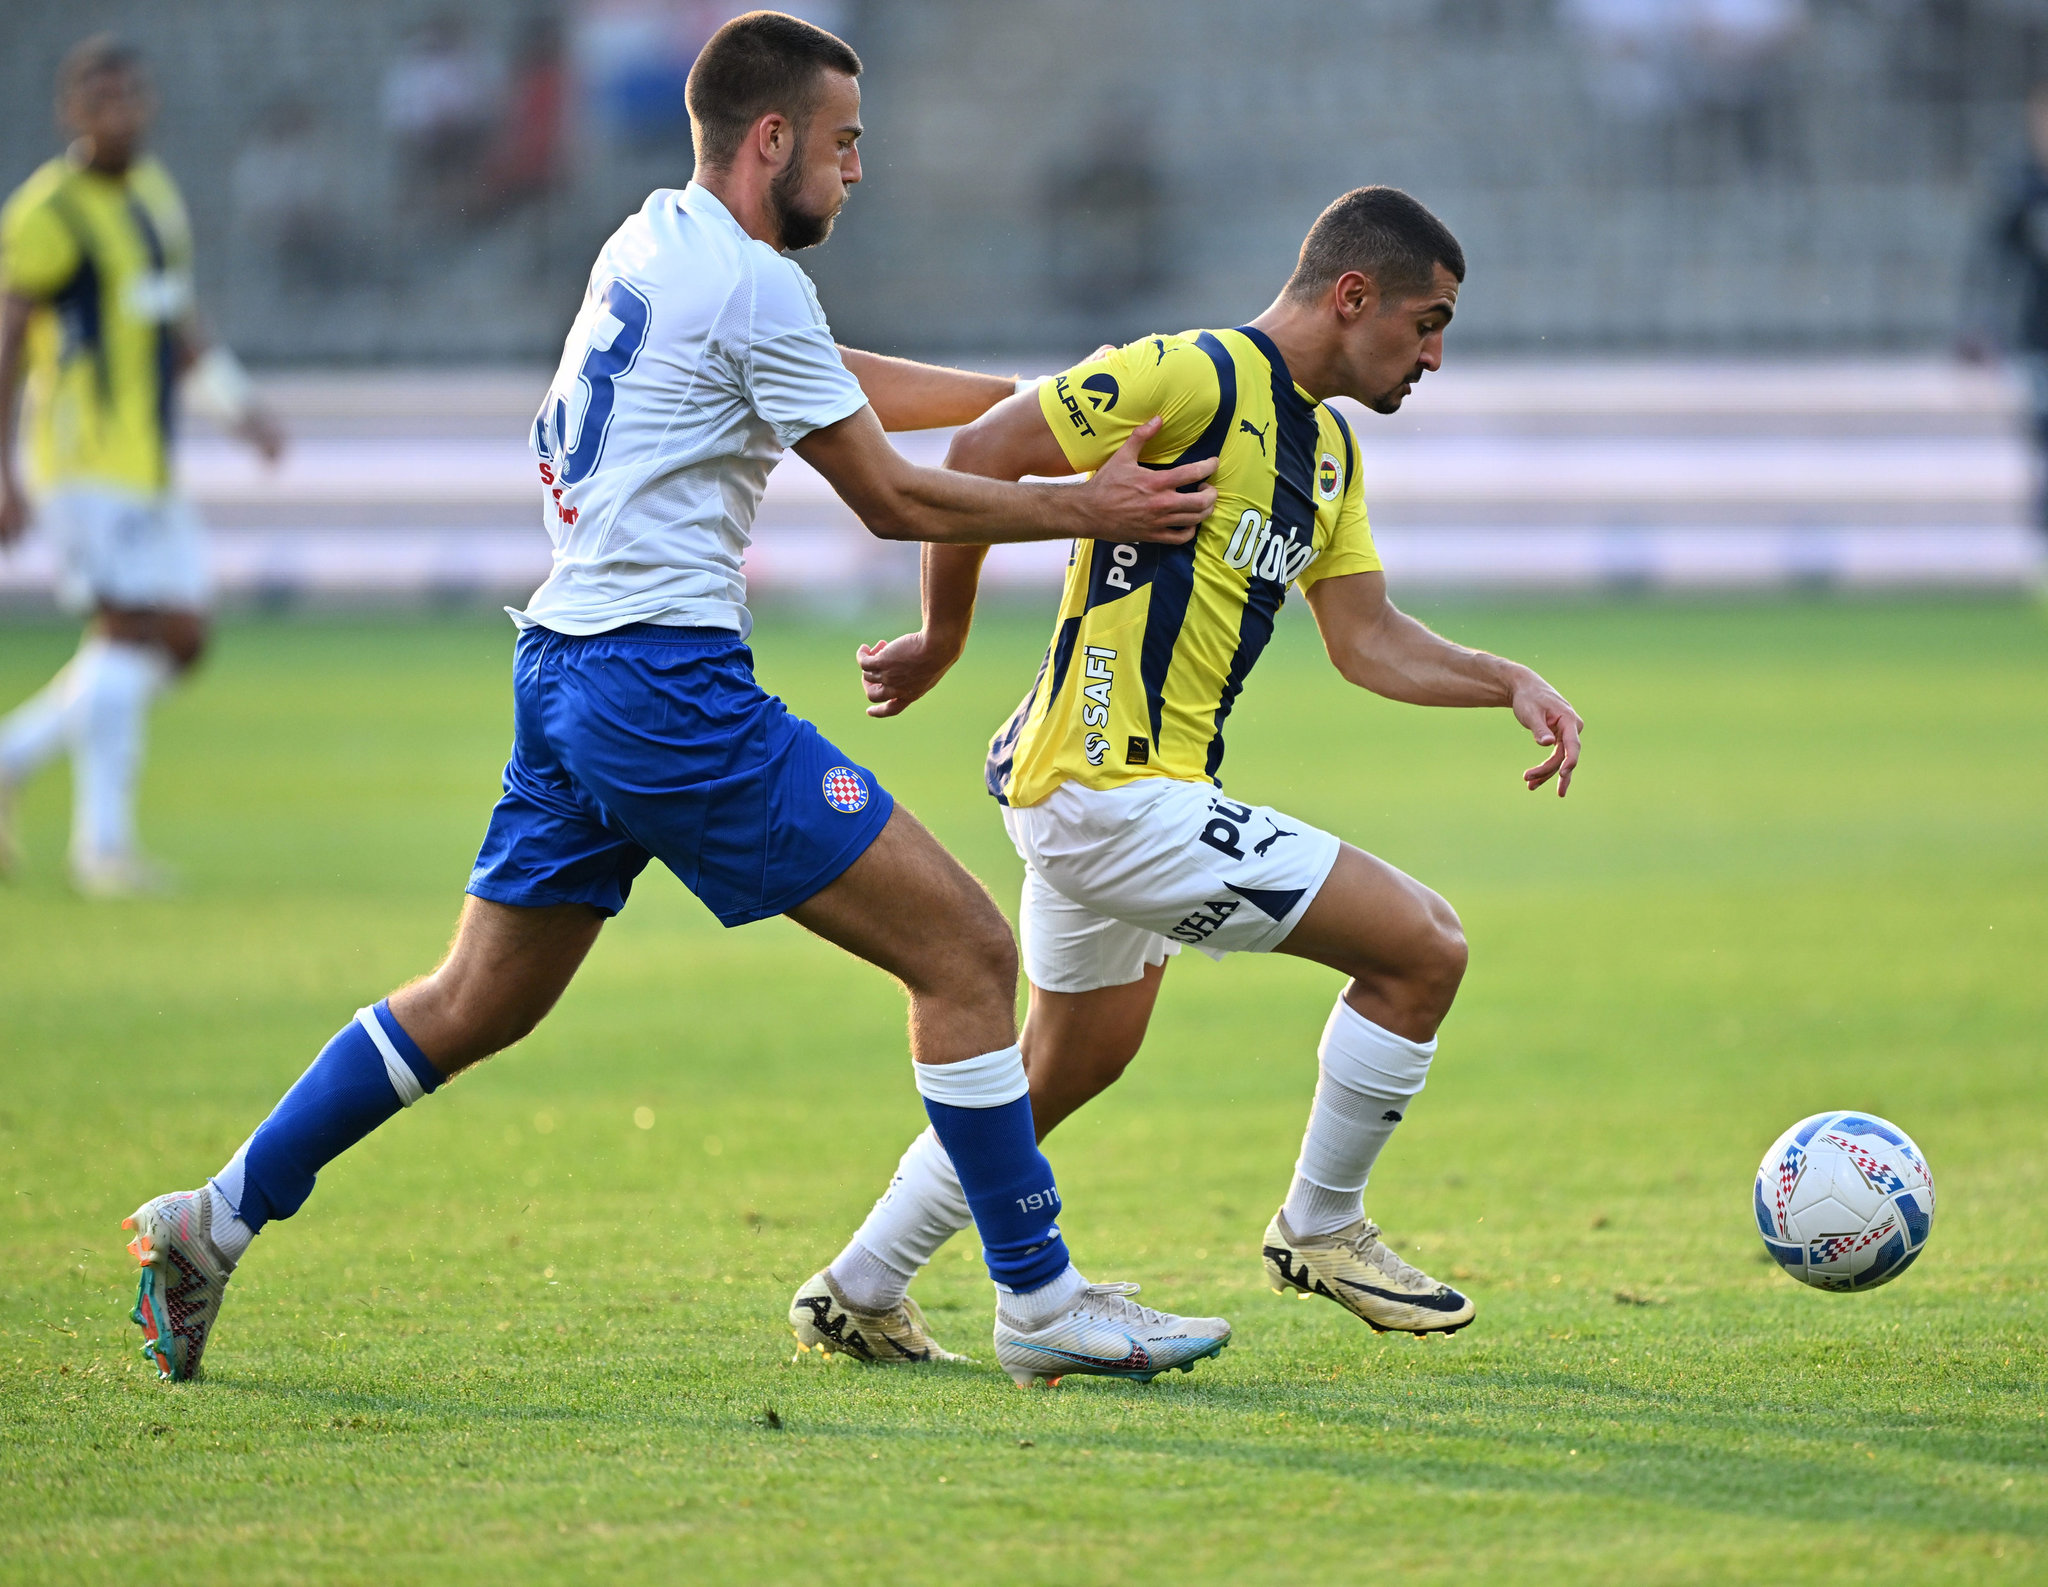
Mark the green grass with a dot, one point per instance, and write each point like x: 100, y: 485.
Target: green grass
x: 514, y: 1337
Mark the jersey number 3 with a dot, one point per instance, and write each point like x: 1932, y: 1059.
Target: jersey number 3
x: 617, y: 334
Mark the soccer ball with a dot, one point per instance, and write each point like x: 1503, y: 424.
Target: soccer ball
x: 1844, y: 1201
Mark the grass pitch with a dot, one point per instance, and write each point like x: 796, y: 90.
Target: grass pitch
x: 520, y: 1335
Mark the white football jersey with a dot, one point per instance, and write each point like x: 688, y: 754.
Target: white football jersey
x: 699, y: 354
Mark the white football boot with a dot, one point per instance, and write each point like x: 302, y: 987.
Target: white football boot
x: 1105, y: 1333
x: 129, y: 875
x: 1354, y: 1268
x: 824, y: 1320
x: 184, y: 1277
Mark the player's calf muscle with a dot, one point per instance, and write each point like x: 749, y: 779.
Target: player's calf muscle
x: 1078, y: 1044
x: 505, y: 969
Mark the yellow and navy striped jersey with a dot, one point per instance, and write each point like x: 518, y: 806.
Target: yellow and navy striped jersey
x: 1155, y: 641
x: 109, y: 261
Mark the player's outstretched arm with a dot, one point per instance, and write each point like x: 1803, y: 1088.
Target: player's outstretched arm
x: 1377, y: 646
x: 1013, y: 440
x: 897, y: 500
x: 907, y: 395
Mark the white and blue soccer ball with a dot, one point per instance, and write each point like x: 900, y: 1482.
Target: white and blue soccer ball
x: 1844, y: 1201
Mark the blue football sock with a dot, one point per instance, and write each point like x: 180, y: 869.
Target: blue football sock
x: 981, y: 1110
x: 362, y: 1077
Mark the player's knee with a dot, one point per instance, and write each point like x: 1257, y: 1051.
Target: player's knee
x: 981, y: 961
x: 1444, y: 957
x: 994, y: 955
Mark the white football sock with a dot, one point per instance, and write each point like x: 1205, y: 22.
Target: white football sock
x: 1368, y: 1077
x: 867, y: 1282
x: 921, y: 1210
x: 36, y: 731
x: 116, y: 682
x: 1029, y: 1312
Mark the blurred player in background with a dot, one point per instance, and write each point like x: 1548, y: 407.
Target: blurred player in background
x: 1109, y: 772
x: 699, y: 354
x: 98, y: 315
x: 2010, y: 275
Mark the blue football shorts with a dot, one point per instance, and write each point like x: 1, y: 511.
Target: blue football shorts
x: 655, y: 742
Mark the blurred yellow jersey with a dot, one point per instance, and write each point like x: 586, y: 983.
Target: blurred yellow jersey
x: 1154, y: 641
x: 108, y: 261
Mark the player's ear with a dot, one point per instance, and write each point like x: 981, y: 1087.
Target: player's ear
x: 1357, y: 296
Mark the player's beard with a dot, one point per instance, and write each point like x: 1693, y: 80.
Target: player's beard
x: 1390, y: 401
x: 799, y: 227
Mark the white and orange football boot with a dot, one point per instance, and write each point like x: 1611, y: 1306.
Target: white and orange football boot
x: 183, y: 1278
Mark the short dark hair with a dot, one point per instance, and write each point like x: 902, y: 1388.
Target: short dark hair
x: 756, y: 63
x: 1381, y: 232
x: 89, y: 57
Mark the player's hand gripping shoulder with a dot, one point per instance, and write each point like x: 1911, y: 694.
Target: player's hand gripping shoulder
x: 1126, y: 500
x: 1009, y: 442
x: 897, y: 500
x: 1379, y: 647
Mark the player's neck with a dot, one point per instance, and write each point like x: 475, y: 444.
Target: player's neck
x: 92, y: 157
x: 1304, y: 343
x: 743, y: 190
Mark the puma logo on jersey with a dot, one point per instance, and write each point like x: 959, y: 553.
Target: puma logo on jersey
x: 1256, y: 432
x: 1259, y: 848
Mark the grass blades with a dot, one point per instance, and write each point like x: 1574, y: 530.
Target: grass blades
x: 532, y: 1330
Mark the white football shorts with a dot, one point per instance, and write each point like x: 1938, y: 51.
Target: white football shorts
x: 122, y: 549
x: 1120, y: 879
